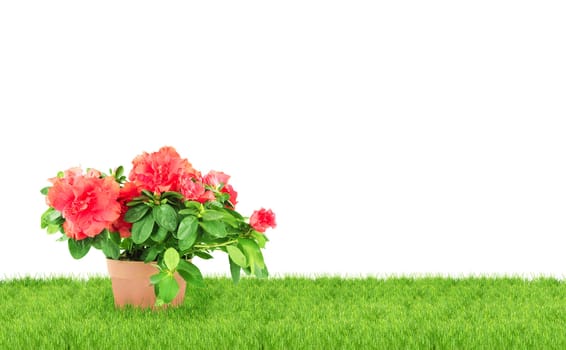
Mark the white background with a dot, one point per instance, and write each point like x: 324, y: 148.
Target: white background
x: 390, y: 137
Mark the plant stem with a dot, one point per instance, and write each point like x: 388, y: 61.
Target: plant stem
x: 217, y: 245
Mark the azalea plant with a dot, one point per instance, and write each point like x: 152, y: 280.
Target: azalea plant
x: 164, y: 212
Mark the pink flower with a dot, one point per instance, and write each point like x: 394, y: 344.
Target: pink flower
x: 262, y: 219
x: 160, y: 171
x: 86, y: 202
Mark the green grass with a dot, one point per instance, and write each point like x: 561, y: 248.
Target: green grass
x: 292, y: 313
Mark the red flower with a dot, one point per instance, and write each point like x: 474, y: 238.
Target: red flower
x: 87, y: 202
x: 127, y: 193
x: 160, y: 171
x: 193, y: 190
x: 215, y: 178
x: 262, y: 219
x: 233, y: 194
x: 77, y: 172
x: 218, y: 178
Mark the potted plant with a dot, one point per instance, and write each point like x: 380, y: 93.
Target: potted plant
x: 160, y: 217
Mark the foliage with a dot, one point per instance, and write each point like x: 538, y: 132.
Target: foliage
x: 165, y: 212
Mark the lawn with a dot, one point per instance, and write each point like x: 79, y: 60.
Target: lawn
x: 292, y: 313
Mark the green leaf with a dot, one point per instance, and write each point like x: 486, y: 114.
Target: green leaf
x: 79, y: 249
x: 165, y: 216
x: 119, y: 172
x: 260, y: 238
x: 210, y: 215
x: 159, y: 235
x: 187, y: 227
x: 215, y: 204
x: 221, y: 214
x: 254, y: 257
x: 190, y: 273
x: 135, y: 213
x: 237, y: 256
x: 52, y: 220
x: 51, y: 216
x: 214, y: 228
x: 155, y: 279
x: 222, y: 196
x: 235, y: 270
x: 151, y: 254
x: 127, y: 243
x: 168, y: 289
x: 194, y: 205
x: 171, y: 194
x: 53, y: 228
x: 171, y: 258
x: 110, y: 248
x: 235, y: 214
x: 45, y: 190
x: 115, y: 236
x: 203, y: 255
x: 148, y: 194
x: 189, y: 212
x: 97, y: 241
x: 188, y: 242
x: 230, y: 219
x: 141, y: 230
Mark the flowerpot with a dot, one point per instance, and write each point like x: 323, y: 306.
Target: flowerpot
x: 131, y: 285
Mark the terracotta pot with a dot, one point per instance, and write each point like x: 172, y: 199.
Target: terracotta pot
x: 131, y: 285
